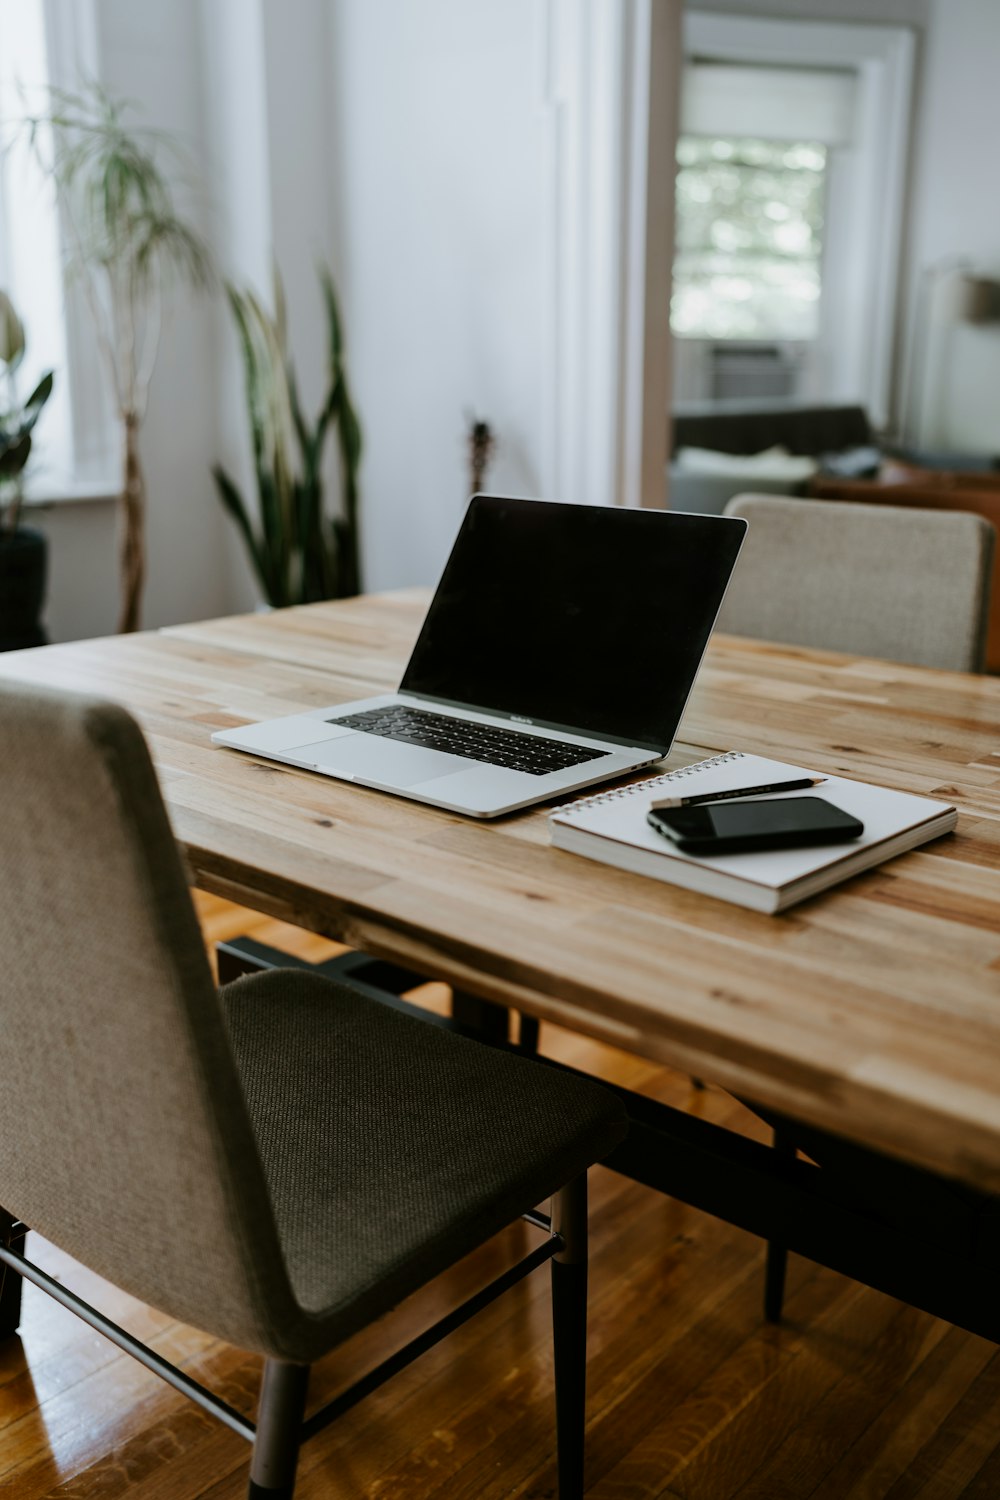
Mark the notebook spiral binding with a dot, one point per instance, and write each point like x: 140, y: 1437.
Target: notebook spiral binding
x: 650, y: 784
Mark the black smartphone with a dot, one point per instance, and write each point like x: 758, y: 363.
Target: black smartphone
x: 756, y: 823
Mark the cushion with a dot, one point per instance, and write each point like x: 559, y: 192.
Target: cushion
x: 773, y: 463
x: 392, y: 1147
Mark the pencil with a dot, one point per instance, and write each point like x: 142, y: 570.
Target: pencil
x: 742, y: 791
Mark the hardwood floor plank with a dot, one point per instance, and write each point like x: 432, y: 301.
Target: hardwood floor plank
x: 729, y: 1357
x: 798, y: 1463
x: 985, y: 1485
x: 954, y: 1454
x: 915, y: 1406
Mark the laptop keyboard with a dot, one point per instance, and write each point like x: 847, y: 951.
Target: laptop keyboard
x: 497, y: 747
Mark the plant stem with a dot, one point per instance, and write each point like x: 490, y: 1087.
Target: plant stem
x: 9, y: 520
x: 12, y: 520
x: 133, y: 508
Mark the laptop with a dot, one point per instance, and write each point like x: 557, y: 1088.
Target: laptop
x: 558, y: 651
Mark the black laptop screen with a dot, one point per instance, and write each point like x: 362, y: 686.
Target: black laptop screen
x: 589, y: 617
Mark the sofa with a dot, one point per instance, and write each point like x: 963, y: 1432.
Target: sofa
x: 721, y: 450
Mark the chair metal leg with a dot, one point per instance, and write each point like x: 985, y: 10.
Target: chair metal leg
x: 774, y: 1282
x: 528, y: 1033
x: 279, y: 1431
x: 569, y: 1330
x: 10, y: 1281
x: 492, y: 1021
x: 777, y: 1255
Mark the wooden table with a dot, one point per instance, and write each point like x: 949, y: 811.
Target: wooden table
x: 872, y: 1011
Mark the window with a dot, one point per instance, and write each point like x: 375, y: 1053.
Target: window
x: 43, y: 43
x: 793, y: 140
x: 30, y: 265
x: 749, y: 238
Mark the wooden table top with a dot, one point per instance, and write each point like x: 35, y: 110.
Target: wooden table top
x: 872, y: 1010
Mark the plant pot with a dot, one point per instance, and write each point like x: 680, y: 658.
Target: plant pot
x: 23, y: 558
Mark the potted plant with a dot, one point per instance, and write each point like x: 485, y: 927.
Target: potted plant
x: 299, y: 552
x: 126, y: 242
x: 22, y: 550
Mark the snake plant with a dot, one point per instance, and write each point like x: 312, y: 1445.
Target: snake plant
x: 299, y: 552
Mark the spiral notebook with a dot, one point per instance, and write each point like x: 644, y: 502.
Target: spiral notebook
x: 611, y: 827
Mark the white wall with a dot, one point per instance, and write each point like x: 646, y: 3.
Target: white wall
x: 956, y: 220
x: 439, y: 142
x: 236, y: 164
x: 266, y: 89
x: 82, y: 587
x: 153, y: 57
x: 404, y: 146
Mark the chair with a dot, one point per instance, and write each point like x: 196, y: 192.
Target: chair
x: 904, y: 585
x: 978, y: 494
x: 279, y: 1163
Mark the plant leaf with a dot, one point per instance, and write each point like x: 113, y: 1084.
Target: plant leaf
x: 232, y: 500
x: 301, y: 553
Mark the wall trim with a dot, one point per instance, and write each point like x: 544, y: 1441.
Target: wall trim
x: 609, y: 84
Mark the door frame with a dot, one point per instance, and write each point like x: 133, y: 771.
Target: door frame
x: 611, y: 85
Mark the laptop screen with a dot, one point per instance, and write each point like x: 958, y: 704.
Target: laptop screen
x: 592, y: 618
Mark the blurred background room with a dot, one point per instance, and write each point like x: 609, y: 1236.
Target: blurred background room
x: 644, y: 253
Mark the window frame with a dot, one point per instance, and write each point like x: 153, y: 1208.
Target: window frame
x: 866, y: 183
x: 87, y: 463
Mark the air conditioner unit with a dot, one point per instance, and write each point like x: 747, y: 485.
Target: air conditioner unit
x: 742, y: 372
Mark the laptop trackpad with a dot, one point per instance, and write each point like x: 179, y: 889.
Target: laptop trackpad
x: 378, y: 759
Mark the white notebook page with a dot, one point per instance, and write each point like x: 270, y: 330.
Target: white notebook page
x: 621, y: 815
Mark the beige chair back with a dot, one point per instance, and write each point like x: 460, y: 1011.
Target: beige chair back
x: 904, y: 585
x: 123, y: 1134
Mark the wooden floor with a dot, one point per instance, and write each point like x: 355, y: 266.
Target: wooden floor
x: 691, y: 1394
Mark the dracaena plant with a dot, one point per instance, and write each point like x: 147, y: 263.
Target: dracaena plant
x: 127, y: 245
x: 299, y: 552
x: 17, y: 419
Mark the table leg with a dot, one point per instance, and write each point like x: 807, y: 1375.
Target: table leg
x: 527, y: 1036
x: 484, y: 1016
x: 777, y: 1253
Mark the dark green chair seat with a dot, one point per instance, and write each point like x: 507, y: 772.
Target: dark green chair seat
x: 390, y: 1147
